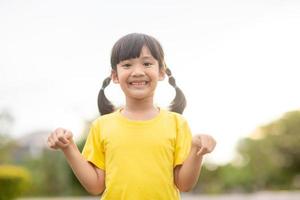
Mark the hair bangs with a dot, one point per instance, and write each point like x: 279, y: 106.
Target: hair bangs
x: 130, y: 46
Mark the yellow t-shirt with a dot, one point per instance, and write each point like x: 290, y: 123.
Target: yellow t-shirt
x: 138, y: 156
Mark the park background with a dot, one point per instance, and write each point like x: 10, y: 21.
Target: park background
x: 236, y: 61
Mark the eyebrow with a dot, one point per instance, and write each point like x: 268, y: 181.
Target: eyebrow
x: 147, y: 57
x: 144, y: 57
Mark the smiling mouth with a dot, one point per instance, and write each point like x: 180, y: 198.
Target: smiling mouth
x: 139, y: 83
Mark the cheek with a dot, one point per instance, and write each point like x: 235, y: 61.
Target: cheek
x: 122, y: 77
x: 119, y: 73
x: 155, y: 75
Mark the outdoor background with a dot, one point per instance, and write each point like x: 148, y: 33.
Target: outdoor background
x: 237, y: 62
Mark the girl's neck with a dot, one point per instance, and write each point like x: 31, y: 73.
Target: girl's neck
x: 140, y: 110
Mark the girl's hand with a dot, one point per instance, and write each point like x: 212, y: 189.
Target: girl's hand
x: 60, y: 139
x: 203, y: 144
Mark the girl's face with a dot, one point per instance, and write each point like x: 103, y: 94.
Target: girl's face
x: 138, y: 76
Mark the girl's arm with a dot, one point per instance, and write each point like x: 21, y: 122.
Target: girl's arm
x: 90, y: 177
x: 187, y: 174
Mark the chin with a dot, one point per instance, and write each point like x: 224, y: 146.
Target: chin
x: 140, y: 96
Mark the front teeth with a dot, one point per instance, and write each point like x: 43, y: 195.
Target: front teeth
x: 139, y: 83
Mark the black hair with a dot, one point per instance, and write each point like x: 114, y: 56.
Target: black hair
x: 128, y: 47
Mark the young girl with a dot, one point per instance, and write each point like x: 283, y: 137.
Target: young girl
x: 139, y: 151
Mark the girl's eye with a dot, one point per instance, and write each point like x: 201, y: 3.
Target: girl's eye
x: 126, y: 65
x: 148, y: 64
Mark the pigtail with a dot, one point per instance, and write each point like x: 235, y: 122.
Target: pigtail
x: 179, y: 102
x: 104, y: 105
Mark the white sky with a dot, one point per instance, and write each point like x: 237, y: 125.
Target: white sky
x: 236, y: 61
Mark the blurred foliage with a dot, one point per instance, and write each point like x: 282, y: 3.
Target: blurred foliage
x: 14, y: 181
x: 53, y: 176
x: 268, y: 161
x: 6, y: 143
x: 50, y: 172
x: 5, y: 150
x: 274, y: 158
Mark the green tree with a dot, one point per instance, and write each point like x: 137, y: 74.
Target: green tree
x: 274, y: 159
x: 6, y: 143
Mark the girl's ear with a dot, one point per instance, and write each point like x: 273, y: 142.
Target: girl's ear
x: 162, y: 74
x: 114, y: 76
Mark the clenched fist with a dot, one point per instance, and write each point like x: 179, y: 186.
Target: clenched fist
x: 60, y: 139
x: 203, y: 144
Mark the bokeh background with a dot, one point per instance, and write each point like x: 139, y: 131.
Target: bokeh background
x: 236, y: 61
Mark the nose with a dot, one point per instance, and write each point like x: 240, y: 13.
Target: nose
x: 138, y: 71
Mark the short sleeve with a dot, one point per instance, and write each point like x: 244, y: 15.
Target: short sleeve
x: 182, y: 143
x: 93, y: 149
